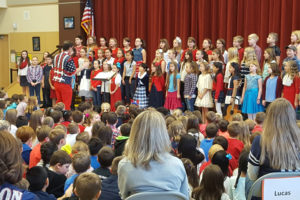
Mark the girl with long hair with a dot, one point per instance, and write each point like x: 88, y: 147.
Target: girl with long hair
x: 277, y: 148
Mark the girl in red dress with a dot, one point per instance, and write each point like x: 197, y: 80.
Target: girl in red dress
x: 191, y: 43
x: 290, y: 83
x: 115, y: 90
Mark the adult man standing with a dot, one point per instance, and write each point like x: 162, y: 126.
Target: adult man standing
x: 64, y: 68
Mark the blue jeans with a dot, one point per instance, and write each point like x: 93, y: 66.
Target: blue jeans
x: 190, y: 103
x: 97, y: 96
x: 35, y: 89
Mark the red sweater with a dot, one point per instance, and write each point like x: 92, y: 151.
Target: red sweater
x: 159, y: 82
x: 35, y: 156
x: 241, y: 54
x: 95, y: 83
x: 235, y: 147
x: 119, y: 60
x: 218, y: 85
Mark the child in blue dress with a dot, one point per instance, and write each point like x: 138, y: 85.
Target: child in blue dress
x: 252, y: 91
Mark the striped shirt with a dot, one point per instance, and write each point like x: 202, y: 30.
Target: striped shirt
x: 64, y: 68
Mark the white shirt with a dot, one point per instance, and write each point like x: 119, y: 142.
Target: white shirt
x: 71, y: 139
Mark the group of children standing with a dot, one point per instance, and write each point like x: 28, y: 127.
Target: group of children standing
x: 207, y: 78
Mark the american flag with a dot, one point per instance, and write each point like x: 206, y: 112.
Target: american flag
x: 87, y: 21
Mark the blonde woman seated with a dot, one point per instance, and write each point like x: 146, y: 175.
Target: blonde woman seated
x: 148, y: 166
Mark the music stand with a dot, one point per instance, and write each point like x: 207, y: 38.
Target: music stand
x: 104, y: 77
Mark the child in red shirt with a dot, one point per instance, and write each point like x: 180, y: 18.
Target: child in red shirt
x: 77, y: 117
x: 235, y: 146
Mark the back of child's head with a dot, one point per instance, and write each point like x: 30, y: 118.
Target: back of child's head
x: 56, y: 116
x: 112, y: 118
x: 106, y: 156
x: 36, y: 119
x: 77, y: 116
x: 192, y: 123
x: 253, y: 135
x: 223, y: 123
x: 187, y: 148
x: 115, y: 164
x: 238, y: 117
x: 105, y: 135
x: 14, y: 98
x: 250, y: 123
x: 120, y: 110
x: 83, y: 137
x: 42, y: 132
x: 60, y: 157
x: 169, y: 120
x: 3, y: 104
x: 119, y: 103
x: 23, y: 184
x: 21, y: 121
x: 199, y: 115
x: 37, y: 177
x: 212, y: 184
x: 177, y: 113
x: 11, y: 116
x: 89, y: 117
x: 59, y: 106
x: 244, y: 135
x: 2, y: 94
x: 243, y: 165
x: 234, y: 128
x: 73, y: 128
x: 79, y: 146
x: 81, y: 162
x: 47, y: 150
x: 88, y: 186
x: 48, y: 121
x: 125, y: 129
x: 211, y: 117
x: 61, y: 127
x: 67, y: 115
x: 221, y: 158
x: 21, y: 97
x: 211, y: 130
x: 56, y: 135
x: 191, y: 172
x: 4, y: 125
x: 25, y: 133
x: 163, y: 111
x: 11, y: 168
x: 214, y: 149
x: 95, y: 144
x: 97, y: 126
x: 260, y: 118
x: 105, y: 107
x: 85, y: 106
x: 104, y: 117
x: 221, y: 141
x: 175, y: 130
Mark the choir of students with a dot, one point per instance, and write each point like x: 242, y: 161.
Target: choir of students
x: 152, y: 128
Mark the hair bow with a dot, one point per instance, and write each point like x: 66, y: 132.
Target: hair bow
x: 87, y: 114
x: 229, y: 157
x: 178, y: 39
x: 118, y: 65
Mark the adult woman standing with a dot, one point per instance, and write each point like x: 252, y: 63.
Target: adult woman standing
x: 278, y: 148
x: 148, y: 166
